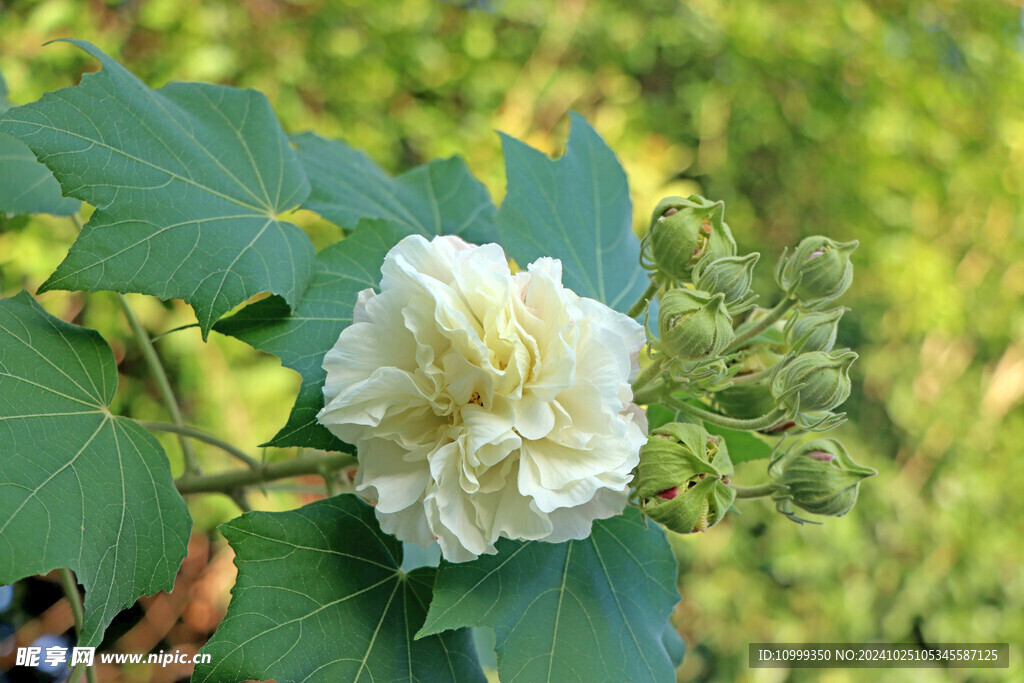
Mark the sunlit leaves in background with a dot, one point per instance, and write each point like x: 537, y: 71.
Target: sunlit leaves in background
x: 899, y: 124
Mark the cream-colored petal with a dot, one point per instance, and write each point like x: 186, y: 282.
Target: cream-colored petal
x: 384, y: 475
x: 569, y: 524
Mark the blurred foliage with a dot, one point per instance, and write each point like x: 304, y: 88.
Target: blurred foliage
x: 896, y: 122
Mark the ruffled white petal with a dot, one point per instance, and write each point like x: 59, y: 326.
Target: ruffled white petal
x: 485, y: 404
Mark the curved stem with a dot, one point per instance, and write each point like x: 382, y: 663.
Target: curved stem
x: 762, y: 422
x: 754, y: 491
x: 69, y: 585
x: 226, y: 482
x: 173, y: 329
x: 166, y: 393
x: 644, y: 299
x: 645, y: 380
x: 752, y: 377
x: 761, y: 325
x: 199, y: 435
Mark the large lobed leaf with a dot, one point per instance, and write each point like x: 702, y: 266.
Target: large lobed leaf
x: 440, y: 198
x: 300, y: 338
x: 576, y: 209
x: 26, y: 186
x: 320, y: 596
x: 590, y: 610
x: 79, y: 487
x: 188, y: 182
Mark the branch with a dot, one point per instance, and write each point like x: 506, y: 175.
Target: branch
x: 227, y: 482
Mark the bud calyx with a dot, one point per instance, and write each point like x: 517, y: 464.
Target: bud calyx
x: 682, y: 477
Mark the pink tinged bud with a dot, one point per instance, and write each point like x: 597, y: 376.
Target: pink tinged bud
x: 820, y: 456
x: 669, y: 494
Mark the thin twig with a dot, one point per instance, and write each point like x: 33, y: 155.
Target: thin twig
x: 160, y: 375
x: 70, y: 587
x: 200, y: 435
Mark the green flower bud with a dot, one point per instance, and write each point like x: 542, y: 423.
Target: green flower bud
x: 818, y: 477
x: 682, y: 478
x: 819, y: 270
x: 729, y: 275
x: 683, y: 231
x: 814, y: 331
x: 812, y: 382
x: 693, y: 325
x: 745, y: 401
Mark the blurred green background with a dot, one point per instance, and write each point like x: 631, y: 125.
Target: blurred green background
x: 896, y: 122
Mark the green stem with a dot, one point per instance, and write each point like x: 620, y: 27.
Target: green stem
x: 70, y: 587
x: 754, y: 491
x: 756, y: 423
x: 648, y: 377
x: 199, y: 435
x: 166, y: 393
x: 644, y: 299
x: 761, y: 325
x: 753, y: 377
x: 175, y: 329
x: 226, y: 482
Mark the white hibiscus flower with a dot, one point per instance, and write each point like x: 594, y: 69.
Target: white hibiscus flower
x: 485, y: 404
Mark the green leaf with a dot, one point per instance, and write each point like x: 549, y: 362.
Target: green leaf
x: 743, y: 446
x: 320, y: 596
x: 439, y: 198
x: 301, y: 338
x: 188, y: 182
x: 26, y: 186
x: 576, y: 209
x: 79, y: 487
x: 590, y: 610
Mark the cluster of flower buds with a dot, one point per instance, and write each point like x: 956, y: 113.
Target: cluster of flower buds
x: 719, y: 359
x: 818, y: 477
x: 683, y: 478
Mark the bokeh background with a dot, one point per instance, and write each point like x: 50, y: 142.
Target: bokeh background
x: 896, y: 122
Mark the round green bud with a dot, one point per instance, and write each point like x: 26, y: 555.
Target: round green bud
x: 819, y: 477
x: 812, y: 382
x: 683, y: 231
x: 814, y: 331
x: 819, y: 270
x: 682, y: 477
x: 730, y: 276
x: 693, y: 325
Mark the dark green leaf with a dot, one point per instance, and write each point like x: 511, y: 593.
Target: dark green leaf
x: 26, y: 186
x: 743, y: 446
x: 188, y: 182
x: 576, y: 209
x: 301, y: 339
x: 79, y: 487
x: 439, y: 198
x: 590, y: 610
x: 320, y: 597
